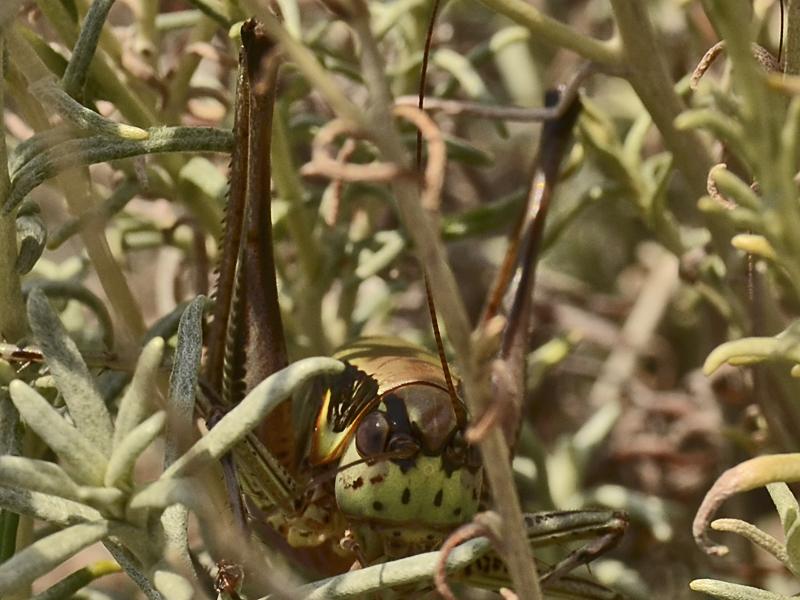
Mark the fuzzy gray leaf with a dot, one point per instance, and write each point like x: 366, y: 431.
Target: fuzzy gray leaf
x: 37, y: 475
x: 183, y: 379
x: 47, y: 553
x: 360, y: 583
x: 82, y: 459
x: 31, y: 240
x: 9, y: 421
x: 86, y: 406
x: 124, y: 456
x: 788, y: 509
x: 242, y: 419
x: 182, y: 390
x: 45, y: 507
x: 172, y: 585
x: 733, y: 591
x: 137, y: 402
x: 165, y: 492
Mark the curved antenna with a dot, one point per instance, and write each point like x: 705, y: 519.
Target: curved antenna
x: 458, y: 407
x: 461, y: 415
x: 423, y: 75
x: 783, y: 26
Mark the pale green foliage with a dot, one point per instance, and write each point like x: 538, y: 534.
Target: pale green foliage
x: 759, y: 128
x: 93, y: 497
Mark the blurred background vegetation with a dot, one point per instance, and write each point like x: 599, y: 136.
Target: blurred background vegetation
x: 650, y: 263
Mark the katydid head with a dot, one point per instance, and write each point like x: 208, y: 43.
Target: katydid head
x: 407, y: 475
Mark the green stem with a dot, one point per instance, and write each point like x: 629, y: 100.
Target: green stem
x: 763, y: 114
x: 147, y: 33
x: 289, y: 187
x: 430, y: 253
x: 554, y: 32
x: 182, y: 77
x: 648, y: 74
x: 78, y: 580
x: 307, y: 63
x: 122, y: 92
x: 8, y: 530
x: 792, y: 48
x: 101, y: 70
x: 78, y: 68
x: 13, y: 322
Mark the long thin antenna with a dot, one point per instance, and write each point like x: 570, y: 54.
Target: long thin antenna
x: 423, y: 75
x: 783, y: 26
x: 461, y: 415
x: 457, y: 407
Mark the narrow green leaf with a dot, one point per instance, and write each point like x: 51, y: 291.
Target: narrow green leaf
x: 733, y: 591
x: 785, y: 503
x: 752, y: 350
x: 125, y: 454
x: 47, y: 553
x: 137, y: 402
x: 9, y: 522
x: 86, y: 406
x: 788, y: 510
x: 461, y: 68
x: 77, y: 580
x: 81, y: 459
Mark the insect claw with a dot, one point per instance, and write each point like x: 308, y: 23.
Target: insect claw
x: 349, y: 544
x: 228, y: 580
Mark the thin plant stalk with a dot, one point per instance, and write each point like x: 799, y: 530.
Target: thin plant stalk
x: 13, y: 322
x: 431, y: 254
x: 791, y: 53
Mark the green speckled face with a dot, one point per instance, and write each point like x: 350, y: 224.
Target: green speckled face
x: 423, y: 480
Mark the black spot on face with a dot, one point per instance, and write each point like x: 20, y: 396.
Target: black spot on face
x: 358, y: 483
x: 377, y: 505
x: 457, y: 512
x: 406, y: 496
x: 437, y: 501
x: 376, y: 480
x: 468, y: 570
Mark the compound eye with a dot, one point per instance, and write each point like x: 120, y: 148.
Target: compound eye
x: 371, y: 435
